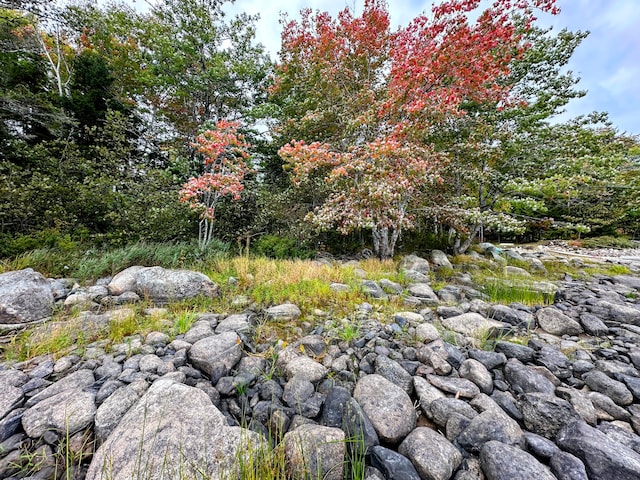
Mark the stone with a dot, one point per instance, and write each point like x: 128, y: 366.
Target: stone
x: 440, y: 259
x: 432, y: 455
x: 393, y: 371
x: 487, y: 426
x: 357, y: 425
x: 10, y: 398
x: 602, y: 457
x: 156, y: 338
x: 567, y: 467
x: 162, y: 285
x: 199, y: 330
x: 541, y: 447
x: 125, y: 281
x: 426, y: 394
x: 473, y: 325
x: 393, y: 465
x: 111, y: 411
x: 513, y: 350
x: 460, y: 387
x: 334, y: 406
x: 284, y: 312
x: 234, y: 323
x: 476, y: 372
x: 175, y: 432
x: 555, y: 322
x: 506, y: 462
x: 25, y: 296
x: 546, y: 414
x: 315, y: 451
x: 443, y: 408
x: 424, y: 292
x: 490, y: 360
x: 414, y: 263
x: 427, y: 332
x: 78, y: 380
x: 580, y: 402
x: 524, y: 379
x: 66, y: 412
x: 306, y: 368
x: 373, y: 289
x: 150, y: 363
x: 601, y: 382
x: 297, y: 391
x: 388, y: 407
x: 390, y: 287
x: 593, y: 325
x: 512, y: 271
x: 217, y: 354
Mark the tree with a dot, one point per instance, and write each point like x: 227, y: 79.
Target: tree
x: 224, y: 153
x: 362, y: 89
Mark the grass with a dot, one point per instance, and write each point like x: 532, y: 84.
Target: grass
x: 504, y: 291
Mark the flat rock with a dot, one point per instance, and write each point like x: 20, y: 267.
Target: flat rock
x: 414, y: 263
x: 568, y: 467
x: 460, y: 387
x: 506, y: 462
x: 78, y: 380
x: 555, y: 322
x: 615, y: 390
x: 10, y: 398
x: 66, y: 413
x: 286, y: 311
x: 393, y: 371
x: 432, y: 455
x: 305, y: 367
x: 525, y: 379
x: 111, y: 411
x: 175, y: 432
x: 473, y: 324
x: 546, y: 414
x: 388, y: 407
x: 25, y: 296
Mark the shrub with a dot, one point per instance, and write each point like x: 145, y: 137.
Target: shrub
x: 275, y: 246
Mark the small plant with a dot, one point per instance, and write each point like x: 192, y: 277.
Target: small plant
x: 183, y: 322
x: 349, y: 331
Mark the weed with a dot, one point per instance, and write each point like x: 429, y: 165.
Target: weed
x: 349, y: 331
x: 183, y: 322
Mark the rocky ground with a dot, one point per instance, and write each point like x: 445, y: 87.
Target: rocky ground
x: 424, y: 395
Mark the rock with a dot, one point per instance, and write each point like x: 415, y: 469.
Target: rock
x: 593, y: 325
x: 65, y: 413
x: 357, y: 425
x: 546, y: 414
x: 476, y: 372
x: 217, y: 354
x: 460, y: 387
x: 602, y: 457
x: 555, y: 322
x: 488, y: 426
x: 473, y: 325
x: 373, y: 290
x: 414, y: 263
x: 541, y: 447
x: 426, y: 332
x: 10, y: 398
x: 432, y: 455
x: 440, y: 259
x: 490, y: 360
x: 314, y: 451
x: 284, y: 312
x: 156, y: 338
x: 161, y: 285
x: 620, y: 313
x: 390, y: 287
x: 505, y: 462
x: 199, y: 330
x: 112, y: 410
x: 426, y: 394
x: 513, y: 350
x: 524, y: 379
x: 297, y: 391
x: 627, y: 280
x: 234, y: 323
x: 175, y: 432
x: 78, y: 380
x: 306, y: 368
x: 601, y: 382
x: 502, y: 313
x: 125, y: 281
x: 580, y: 402
x: 25, y: 296
x: 424, y: 292
x: 392, y: 371
x: 393, y: 465
x: 512, y: 271
x: 334, y: 406
x: 567, y: 467
x: 388, y: 407
x: 443, y: 408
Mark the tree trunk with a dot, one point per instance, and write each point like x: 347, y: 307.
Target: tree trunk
x: 462, y: 247
x: 384, y: 244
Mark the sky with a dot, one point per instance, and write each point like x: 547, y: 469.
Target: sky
x: 607, y: 61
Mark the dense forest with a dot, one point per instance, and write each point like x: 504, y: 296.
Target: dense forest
x: 173, y: 124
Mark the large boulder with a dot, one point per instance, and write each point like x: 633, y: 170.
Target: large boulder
x: 125, y: 281
x: 173, y: 431
x: 25, y: 296
x: 161, y: 285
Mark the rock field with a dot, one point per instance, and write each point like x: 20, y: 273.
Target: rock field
x: 416, y: 397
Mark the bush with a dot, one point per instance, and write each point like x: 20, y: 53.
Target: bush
x: 275, y: 246
x: 608, y: 241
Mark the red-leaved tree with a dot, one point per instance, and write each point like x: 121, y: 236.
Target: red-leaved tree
x: 224, y: 152
x: 370, y: 97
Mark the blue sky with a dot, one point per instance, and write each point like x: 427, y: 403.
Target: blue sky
x: 608, y: 61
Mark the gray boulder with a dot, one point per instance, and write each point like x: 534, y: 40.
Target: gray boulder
x: 286, y: 311
x: 125, y: 281
x: 432, y: 455
x: 546, y: 414
x: 314, y: 451
x: 65, y: 413
x: 414, y: 263
x: 473, y: 324
x: 25, y: 296
x: 161, y: 285
x: 555, y: 322
x: 113, y: 409
x: 388, y: 407
x: 505, y: 462
x: 173, y: 431
x: 440, y: 259
x: 602, y: 457
x: 601, y: 382
x: 217, y: 354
